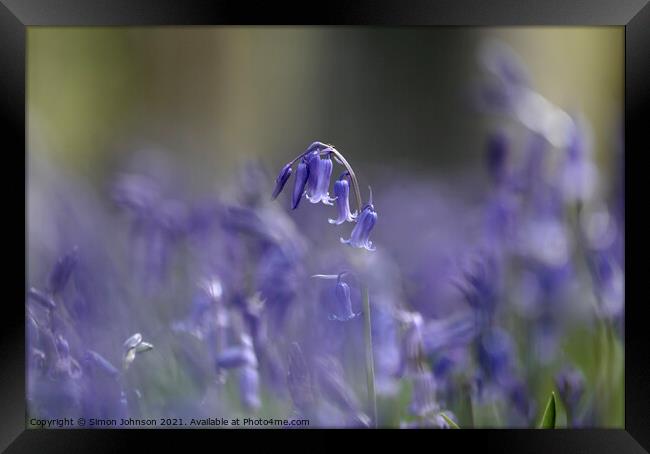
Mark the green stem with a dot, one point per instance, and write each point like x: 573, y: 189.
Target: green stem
x: 370, y: 362
x: 367, y: 326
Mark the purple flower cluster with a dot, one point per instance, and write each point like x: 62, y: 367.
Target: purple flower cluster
x: 312, y: 181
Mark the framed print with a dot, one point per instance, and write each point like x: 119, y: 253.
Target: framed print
x: 376, y: 218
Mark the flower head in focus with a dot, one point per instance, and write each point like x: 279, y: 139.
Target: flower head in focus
x: 366, y: 220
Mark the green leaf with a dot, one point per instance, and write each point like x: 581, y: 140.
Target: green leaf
x: 449, y: 421
x: 548, y: 420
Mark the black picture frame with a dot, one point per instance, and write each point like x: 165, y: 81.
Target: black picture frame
x: 16, y: 15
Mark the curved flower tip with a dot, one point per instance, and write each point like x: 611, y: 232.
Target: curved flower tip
x: 281, y: 180
x: 360, y: 237
x: 315, y: 146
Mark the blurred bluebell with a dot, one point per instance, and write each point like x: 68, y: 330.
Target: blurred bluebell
x: 342, y: 292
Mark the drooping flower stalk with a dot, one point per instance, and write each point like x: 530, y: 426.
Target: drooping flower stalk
x: 365, y: 219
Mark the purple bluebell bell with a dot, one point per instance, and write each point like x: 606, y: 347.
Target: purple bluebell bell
x: 366, y: 220
x: 281, y: 180
x: 342, y: 196
x: 320, y: 173
x: 344, y: 301
x: 62, y: 271
x: 302, y: 177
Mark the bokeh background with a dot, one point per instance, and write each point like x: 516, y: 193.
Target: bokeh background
x: 393, y: 95
x: 398, y: 102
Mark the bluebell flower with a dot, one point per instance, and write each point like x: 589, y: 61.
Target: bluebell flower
x: 302, y: 176
x: 342, y: 196
x: 342, y: 297
x: 344, y: 301
x: 281, y: 180
x: 360, y: 237
x: 320, y: 173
